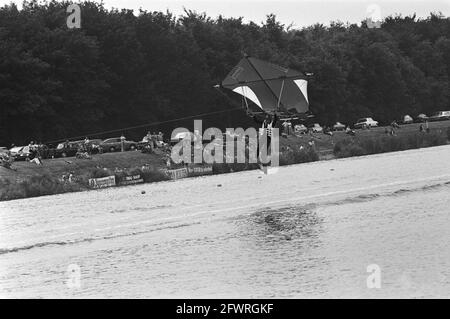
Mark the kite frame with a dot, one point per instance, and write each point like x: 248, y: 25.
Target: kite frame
x: 282, y: 115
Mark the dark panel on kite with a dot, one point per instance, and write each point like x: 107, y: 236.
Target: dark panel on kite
x: 271, y: 87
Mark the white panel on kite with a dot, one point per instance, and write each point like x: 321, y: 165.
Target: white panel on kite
x: 303, y: 86
x: 248, y: 93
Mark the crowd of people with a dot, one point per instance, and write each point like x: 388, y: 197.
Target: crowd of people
x: 34, y: 155
x: 152, y: 141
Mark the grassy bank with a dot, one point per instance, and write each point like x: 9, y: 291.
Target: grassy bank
x: 47, y: 184
x: 365, y: 146
x: 36, y: 186
x: 30, y: 180
x: 39, y: 185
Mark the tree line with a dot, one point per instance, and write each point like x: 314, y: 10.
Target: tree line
x: 122, y: 69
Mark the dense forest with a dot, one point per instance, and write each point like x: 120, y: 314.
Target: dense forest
x: 121, y: 69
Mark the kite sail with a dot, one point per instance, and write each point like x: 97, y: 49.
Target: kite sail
x: 270, y: 87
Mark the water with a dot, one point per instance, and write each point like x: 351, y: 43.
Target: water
x: 308, y: 230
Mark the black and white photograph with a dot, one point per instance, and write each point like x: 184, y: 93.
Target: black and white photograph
x: 225, y: 150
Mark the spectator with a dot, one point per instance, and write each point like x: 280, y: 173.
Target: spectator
x: 160, y: 139
x: 395, y: 125
x: 34, y: 154
x: 81, y: 148
x: 122, y: 143
x: 285, y: 127
x: 32, y: 150
x: 154, y: 140
x: 349, y: 131
x: 147, y: 138
x: 87, y: 145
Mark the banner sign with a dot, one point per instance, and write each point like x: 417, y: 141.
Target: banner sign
x: 102, y: 182
x: 189, y: 171
x: 177, y: 173
x: 129, y: 180
x: 200, y: 170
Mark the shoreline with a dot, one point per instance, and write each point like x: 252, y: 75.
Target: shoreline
x: 51, y: 178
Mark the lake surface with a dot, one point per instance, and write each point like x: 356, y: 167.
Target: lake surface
x: 307, y: 230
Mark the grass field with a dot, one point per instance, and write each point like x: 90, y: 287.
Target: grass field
x: 325, y: 143
x: 60, y: 166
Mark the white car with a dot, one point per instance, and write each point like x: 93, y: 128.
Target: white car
x: 421, y: 118
x: 316, y: 128
x: 300, y: 129
x: 16, y: 150
x: 440, y: 116
x: 407, y: 119
x: 366, y: 122
x: 339, y: 126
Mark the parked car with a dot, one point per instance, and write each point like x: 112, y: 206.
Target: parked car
x: 339, y: 126
x: 300, y: 129
x: 20, y: 153
x: 366, y: 122
x: 440, y: 116
x: 66, y: 149
x: 115, y: 144
x: 421, y: 118
x: 407, y: 119
x: 15, y: 150
x: 316, y: 128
